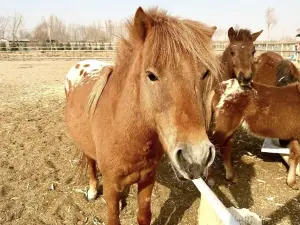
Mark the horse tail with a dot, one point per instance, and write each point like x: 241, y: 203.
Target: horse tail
x: 286, y: 73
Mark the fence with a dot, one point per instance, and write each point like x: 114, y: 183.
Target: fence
x: 106, y: 51
x: 285, y: 49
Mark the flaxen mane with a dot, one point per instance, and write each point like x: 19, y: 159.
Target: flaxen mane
x: 170, y: 39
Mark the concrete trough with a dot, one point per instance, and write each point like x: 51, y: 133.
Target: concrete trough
x: 211, y: 210
x: 272, y: 146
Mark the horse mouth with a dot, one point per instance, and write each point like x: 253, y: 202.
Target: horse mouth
x: 188, y: 176
x: 246, y: 85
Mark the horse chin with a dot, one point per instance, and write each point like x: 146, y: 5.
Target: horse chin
x: 178, y: 175
x: 246, y: 85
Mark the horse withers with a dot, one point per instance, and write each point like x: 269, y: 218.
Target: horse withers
x: 148, y: 102
x: 265, y: 111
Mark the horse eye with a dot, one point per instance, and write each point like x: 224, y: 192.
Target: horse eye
x: 231, y: 52
x: 152, y: 76
x: 205, y: 74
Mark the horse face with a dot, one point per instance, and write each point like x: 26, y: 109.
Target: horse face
x: 173, y: 61
x: 173, y: 97
x: 242, y: 50
x: 242, y: 55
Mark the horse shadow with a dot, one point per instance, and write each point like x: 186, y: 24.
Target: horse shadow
x: 184, y: 194
x: 239, y: 194
x: 181, y: 197
x: 289, y: 209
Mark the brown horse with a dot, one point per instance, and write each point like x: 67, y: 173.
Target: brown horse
x: 237, y: 59
x: 265, y: 111
x: 124, y: 117
x: 271, y: 69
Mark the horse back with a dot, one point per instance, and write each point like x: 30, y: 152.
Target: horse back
x: 78, y: 99
x: 265, y: 68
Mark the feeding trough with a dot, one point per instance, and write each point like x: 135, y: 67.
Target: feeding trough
x: 273, y: 146
x: 213, y: 212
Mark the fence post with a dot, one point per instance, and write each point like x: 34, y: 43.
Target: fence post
x: 23, y: 53
x: 281, y: 50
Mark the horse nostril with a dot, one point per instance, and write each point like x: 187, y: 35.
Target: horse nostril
x: 241, y: 76
x: 250, y: 77
x: 179, y: 156
x: 210, y: 155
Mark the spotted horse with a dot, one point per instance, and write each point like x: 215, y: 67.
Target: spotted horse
x: 85, y: 71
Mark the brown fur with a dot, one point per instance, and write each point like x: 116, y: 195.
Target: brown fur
x: 267, y: 111
x: 134, y: 118
x: 270, y: 67
x: 237, y: 59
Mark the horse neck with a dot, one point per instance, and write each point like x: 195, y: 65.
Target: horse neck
x: 226, y: 65
x: 226, y: 62
x: 124, y: 92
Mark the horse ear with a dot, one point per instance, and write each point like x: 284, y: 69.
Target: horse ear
x: 212, y: 31
x: 142, y: 23
x: 255, y: 35
x: 231, y: 34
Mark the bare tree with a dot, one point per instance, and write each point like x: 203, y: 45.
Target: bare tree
x: 109, y: 29
x: 15, y: 24
x: 40, y: 31
x: 25, y: 34
x: 53, y: 28
x: 4, y: 20
x: 271, y: 19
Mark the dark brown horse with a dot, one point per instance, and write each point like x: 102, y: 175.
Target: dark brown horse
x: 265, y: 111
x: 237, y: 59
x: 271, y: 69
x: 124, y: 117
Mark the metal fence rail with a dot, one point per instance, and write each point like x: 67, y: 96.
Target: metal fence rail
x: 107, y: 51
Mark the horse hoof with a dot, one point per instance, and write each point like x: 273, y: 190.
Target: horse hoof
x: 211, y: 182
x: 235, y: 180
x: 294, y: 186
x: 91, y: 194
x: 232, y: 178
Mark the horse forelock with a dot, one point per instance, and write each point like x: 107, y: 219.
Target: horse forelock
x: 243, y: 35
x: 169, y: 40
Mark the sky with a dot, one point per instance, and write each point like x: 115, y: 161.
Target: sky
x: 221, y: 13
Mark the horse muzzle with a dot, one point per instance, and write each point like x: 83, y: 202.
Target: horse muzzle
x: 191, y: 161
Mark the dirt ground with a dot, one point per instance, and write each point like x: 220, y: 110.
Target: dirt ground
x: 41, y: 183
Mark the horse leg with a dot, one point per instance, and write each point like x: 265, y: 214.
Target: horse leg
x: 112, y: 198
x: 223, y: 138
x: 92, y: 192
x: 144, y: 199
x: 293, y: 162
x: 226, y: 150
